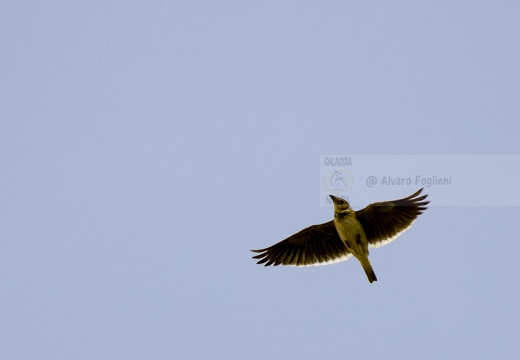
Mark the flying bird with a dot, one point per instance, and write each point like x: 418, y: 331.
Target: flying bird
x: 350, y: 233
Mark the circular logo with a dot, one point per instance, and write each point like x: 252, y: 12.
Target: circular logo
x: 338, y: 181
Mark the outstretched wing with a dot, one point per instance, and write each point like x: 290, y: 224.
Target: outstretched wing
x: 315, y: 245
x: 385, y: 221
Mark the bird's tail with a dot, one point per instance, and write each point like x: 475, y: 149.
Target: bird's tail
x: 371, y: 275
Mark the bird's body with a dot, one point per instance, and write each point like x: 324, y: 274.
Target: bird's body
x: 350, y: 233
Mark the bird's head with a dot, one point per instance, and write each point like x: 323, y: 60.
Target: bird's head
x: 340, y: 205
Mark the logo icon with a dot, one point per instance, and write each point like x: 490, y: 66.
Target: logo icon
x: 338, y: 181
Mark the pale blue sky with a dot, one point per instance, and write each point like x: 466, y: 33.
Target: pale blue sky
x: 145, y: 147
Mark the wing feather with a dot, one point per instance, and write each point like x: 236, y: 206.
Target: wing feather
x: 385, y: 221
x: 315, y: 245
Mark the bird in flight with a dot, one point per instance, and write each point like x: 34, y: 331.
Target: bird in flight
x: 350, y: 233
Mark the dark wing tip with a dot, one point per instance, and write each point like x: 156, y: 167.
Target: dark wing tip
x: 263, y: 260
x: 416, y: 194
x: 420, y: 198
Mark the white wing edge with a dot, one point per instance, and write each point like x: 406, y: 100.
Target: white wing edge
x: 389, y: 240
x: 328, y: 262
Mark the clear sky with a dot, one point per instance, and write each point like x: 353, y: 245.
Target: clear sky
x: 146, y: 147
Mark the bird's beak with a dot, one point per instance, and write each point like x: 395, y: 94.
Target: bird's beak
x: 333, y: 198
